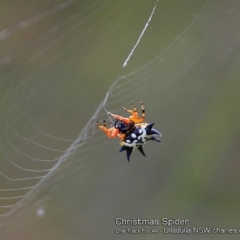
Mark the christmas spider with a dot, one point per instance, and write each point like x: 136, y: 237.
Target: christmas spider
x: 132, y: 132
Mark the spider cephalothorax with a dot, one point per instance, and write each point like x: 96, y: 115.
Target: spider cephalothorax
x: 132, y: 131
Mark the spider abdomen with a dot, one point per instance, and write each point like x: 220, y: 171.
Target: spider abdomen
x: 141, y: 133
x: 137, y: 137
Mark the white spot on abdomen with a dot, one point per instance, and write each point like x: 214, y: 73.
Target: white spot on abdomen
x: 133, y: 135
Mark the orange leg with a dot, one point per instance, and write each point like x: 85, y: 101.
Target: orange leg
x: 134, y: 113
x: 126, y: 120
x: 111, y: 132
x: 122, y: 136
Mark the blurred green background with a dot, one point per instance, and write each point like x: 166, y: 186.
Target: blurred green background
x: 61, y: 70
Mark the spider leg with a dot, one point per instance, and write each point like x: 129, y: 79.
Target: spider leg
x: 134, y: 113
x: 111, y: 132
x: 134, y: 117
x: 126, y: 120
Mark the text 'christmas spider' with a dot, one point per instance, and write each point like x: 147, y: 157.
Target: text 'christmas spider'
x: 132, y: 131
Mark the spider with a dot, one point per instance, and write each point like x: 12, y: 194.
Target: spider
x: 132, y: 131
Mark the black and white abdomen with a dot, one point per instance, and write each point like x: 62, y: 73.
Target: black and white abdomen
x: 136, y: 137
x: 141, y: 133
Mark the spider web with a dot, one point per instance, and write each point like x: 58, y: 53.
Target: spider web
x: 59, y: 61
